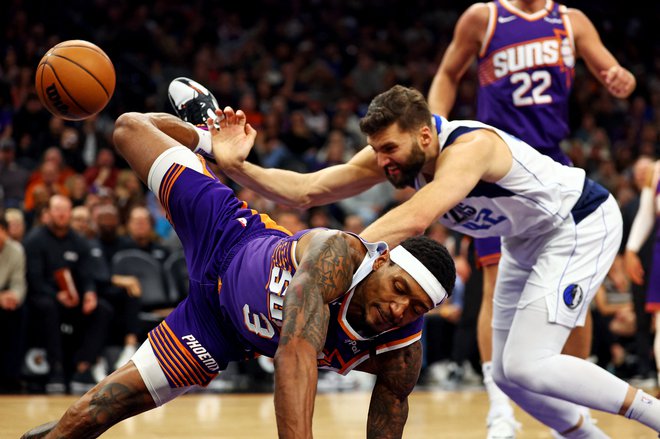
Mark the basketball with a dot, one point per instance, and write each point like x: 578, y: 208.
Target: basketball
x: 75, y: 79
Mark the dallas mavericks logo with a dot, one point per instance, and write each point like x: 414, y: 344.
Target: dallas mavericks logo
x: 573, y: 296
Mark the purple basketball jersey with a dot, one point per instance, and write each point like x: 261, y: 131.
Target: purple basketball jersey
x: 526, y: 70
x: 240, y: 264
x: 653, y: 288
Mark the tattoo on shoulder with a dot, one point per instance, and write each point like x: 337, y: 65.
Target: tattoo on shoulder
x: 325, y: 273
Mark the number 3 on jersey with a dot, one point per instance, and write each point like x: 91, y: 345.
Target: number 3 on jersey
x: 279, y: 281
x: 538, y: 82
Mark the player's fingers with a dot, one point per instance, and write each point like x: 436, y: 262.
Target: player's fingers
x: 251, y: 132
x: 230, y: 116
x: 210, y: 125
x: 240, y: 117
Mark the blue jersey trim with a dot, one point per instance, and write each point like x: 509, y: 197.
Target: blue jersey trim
x: 593, y: 195
x: 482, y: 189
x: 489, y: 190
x: 457, y: 133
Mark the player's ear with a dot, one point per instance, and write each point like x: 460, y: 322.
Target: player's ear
x: 381, y: 260
x: 425, y: 136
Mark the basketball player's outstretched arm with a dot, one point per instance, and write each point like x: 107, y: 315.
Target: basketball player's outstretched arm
x: 325, y: 273
x: 232, y: 144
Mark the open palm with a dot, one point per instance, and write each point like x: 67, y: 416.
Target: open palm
x: 234, y: 138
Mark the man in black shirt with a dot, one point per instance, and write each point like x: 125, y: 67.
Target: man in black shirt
x: 55, y: 253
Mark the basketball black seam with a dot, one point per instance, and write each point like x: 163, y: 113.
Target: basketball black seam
x: 83, y: 68
x: 43, y: 91
x: 89, y: 113
x: 99, y: 51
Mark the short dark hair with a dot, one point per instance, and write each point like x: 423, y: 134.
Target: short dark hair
x: 435, y: 257
x: 405, y: 106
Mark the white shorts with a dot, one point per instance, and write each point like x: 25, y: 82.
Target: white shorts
x: 177, y: 154
x: 565, y: 266
x: 153, y: 376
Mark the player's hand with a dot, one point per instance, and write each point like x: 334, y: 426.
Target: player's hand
x: 619, y: 81
x: 233, y: 139
x: 633, y: 267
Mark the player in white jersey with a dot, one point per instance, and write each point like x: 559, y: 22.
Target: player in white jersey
x: 561, y: 232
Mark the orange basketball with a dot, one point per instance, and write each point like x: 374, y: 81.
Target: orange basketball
x: 75, y: 79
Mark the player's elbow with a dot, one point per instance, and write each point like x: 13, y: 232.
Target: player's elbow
x: 415, y: 226
x: 294, y: 355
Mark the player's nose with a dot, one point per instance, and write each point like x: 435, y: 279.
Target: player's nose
x: 398, y: 310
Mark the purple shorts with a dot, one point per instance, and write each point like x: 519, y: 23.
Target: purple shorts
x: 489, y: 250
x: 195, y: 341
x: 653, y: 289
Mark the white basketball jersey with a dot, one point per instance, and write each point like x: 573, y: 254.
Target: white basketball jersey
x: 535, y: 196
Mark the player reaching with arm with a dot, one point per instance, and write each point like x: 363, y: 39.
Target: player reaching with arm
x: 526, y: 52
x: 319, y: 298
x: 483, y: 182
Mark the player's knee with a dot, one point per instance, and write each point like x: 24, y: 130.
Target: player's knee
x: 521, y: 372
x: 125, y: 127
x: 499, y: 377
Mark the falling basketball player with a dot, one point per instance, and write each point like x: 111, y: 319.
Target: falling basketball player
x: 316, y: 299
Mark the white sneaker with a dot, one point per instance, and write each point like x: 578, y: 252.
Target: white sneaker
x: 192, y: 101
x: 503, y: 428
x: 125, y: 355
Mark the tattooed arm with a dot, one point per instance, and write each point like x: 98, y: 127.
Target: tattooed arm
x: 328, y: 261
x: 397, y: 372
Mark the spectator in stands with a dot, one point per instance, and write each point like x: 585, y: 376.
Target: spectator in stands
x: 121, y: 291
x: 103, y: 173
x: 81, y: 222
x: 129, y: 193
x: 55, y: 252
x: 13, y: 177
x: 15, y: 224
x: 76, y: 187
x: 53, y: 155
x: 140, y: 228
x: 12, y: 315
x: 45, y: 187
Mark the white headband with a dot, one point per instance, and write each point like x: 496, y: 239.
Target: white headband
x: 420, y: 273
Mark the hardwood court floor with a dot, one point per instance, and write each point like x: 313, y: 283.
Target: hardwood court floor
x: 433, y: 414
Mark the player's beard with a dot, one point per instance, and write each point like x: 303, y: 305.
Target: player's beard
x: 409, y: 169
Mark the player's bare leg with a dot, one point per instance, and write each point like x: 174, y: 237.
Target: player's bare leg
x: 121, y: 395
x: 141, y: 138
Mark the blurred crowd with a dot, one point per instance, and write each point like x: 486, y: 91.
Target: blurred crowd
x: 304, y: 73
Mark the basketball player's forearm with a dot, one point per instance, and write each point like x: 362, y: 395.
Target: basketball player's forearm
x: 279, y: 185
x: 398, y: 372
x: 387, y: 414
x: 295, y: 389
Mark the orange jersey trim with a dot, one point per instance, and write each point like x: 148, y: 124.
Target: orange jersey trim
x: 490, y: 29
x: 538, y: 15
x: 175, y: 360
x: 401, y: 342
x: 485, y: 261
